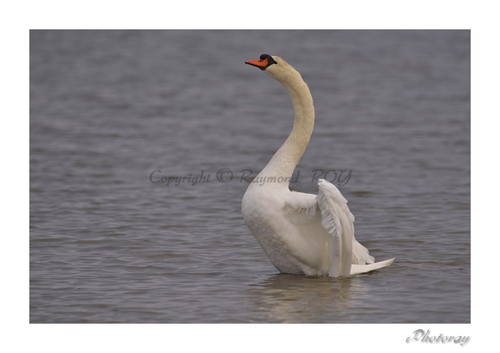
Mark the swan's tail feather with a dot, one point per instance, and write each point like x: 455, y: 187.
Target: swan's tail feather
x: 357, y: 269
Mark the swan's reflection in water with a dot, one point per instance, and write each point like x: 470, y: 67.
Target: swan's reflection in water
x: 292, y: 298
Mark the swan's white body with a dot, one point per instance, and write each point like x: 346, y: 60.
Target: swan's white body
x: 301, y: 233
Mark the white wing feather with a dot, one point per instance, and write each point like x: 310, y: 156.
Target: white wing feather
x: 338, y: 221
x: 329, y: 208
x: 301, y: 208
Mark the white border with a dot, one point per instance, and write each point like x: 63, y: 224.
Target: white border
x: 269, y: 14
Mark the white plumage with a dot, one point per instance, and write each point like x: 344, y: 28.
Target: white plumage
x: 301, y: 233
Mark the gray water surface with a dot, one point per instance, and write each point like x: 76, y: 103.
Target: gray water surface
x: 112, y: 111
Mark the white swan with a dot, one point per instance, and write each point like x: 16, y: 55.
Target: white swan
x: 301, y: 233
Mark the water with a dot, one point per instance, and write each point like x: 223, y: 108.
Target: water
x: 110, y: 108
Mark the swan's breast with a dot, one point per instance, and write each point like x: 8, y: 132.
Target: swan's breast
x: 262, y: 212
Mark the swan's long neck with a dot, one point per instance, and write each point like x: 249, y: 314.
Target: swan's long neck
x: 287, y: 157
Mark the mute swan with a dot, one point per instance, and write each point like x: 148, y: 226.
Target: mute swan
x: 301, y: 233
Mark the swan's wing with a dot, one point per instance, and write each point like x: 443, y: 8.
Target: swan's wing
x: 353, y: 258
x: 338, y: 220
x: 301, y: 208
x: 328, y: 208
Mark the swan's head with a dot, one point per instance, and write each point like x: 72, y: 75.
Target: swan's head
x: 274, y: 66
x: 264, y: 61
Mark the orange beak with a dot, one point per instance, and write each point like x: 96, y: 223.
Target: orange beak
x: 261, y: 64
